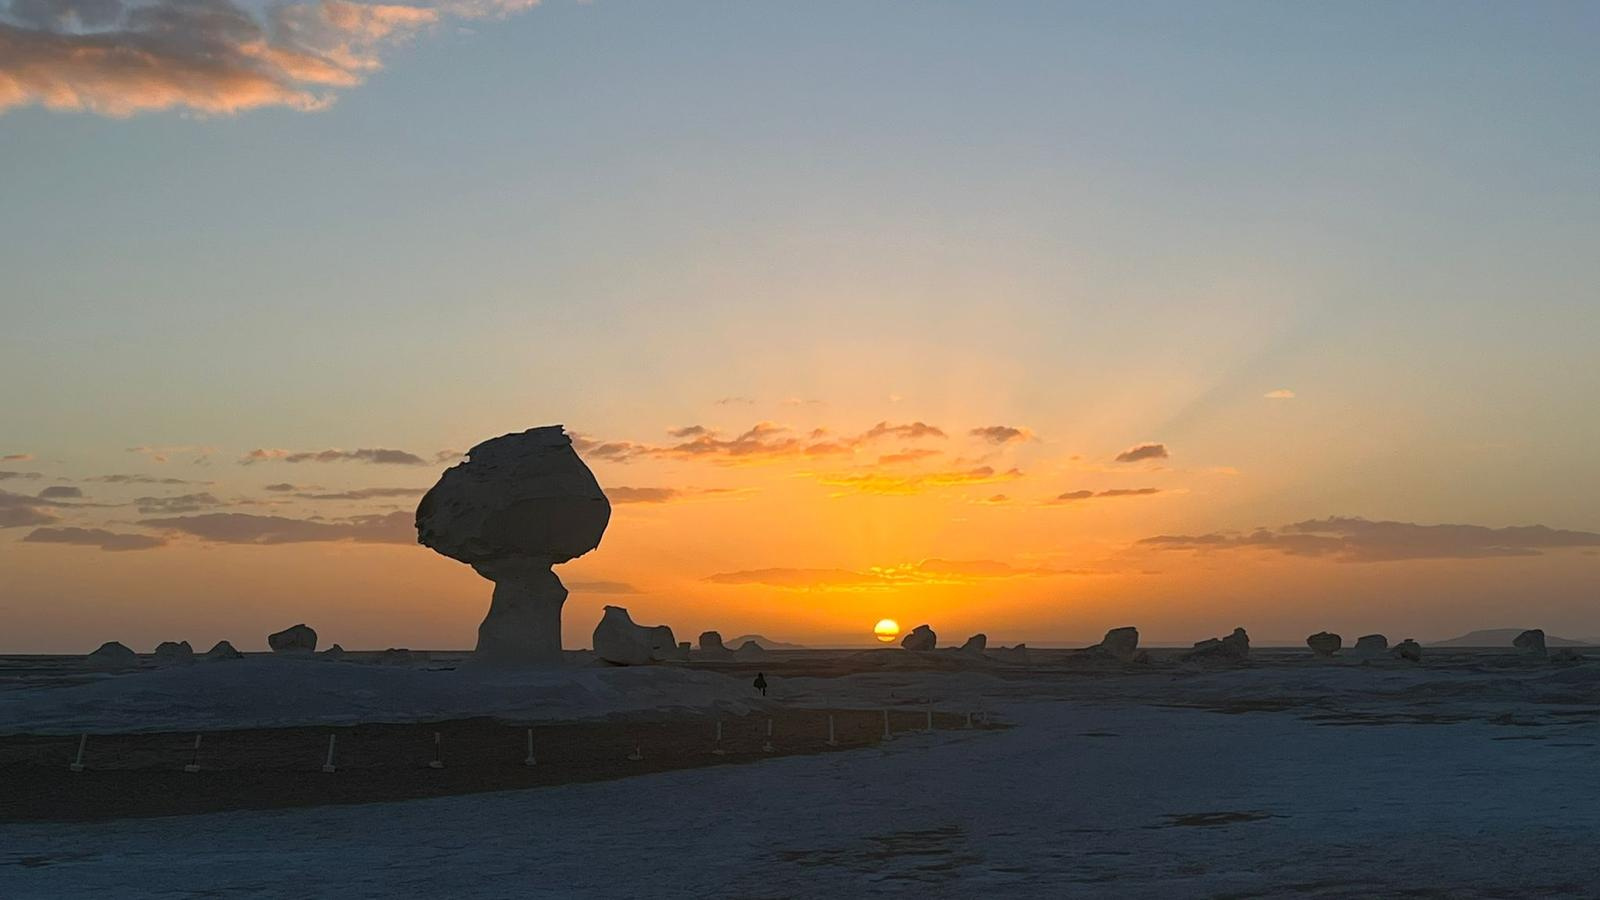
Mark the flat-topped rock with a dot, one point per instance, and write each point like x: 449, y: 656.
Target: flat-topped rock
x: 1324, y: 643
x: 711, y: 645
x: 975, y: 645
x: 1233, y: 648
x: 920, y: 638
x: 1370, y: 646
x: 295, y: 639
x: 620, y: 641
x: 1119, y: 643
x: 1531, y: 642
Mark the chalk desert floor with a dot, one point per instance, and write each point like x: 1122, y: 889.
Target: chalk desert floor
x: 1471, y: 775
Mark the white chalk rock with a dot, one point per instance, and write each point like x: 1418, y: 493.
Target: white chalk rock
x: 1370, y: 646
x: 520, y: 504
x: 921, y: 638
x: 174, y: 652
x: 976, y: 644
x: 1408, y: 650
x: 749, y: 649
x: 300, y: 638
x: 621, y: 642
x: 223, y: 650
x: 1233, y: 648
x: 1119, y: 643
x: 1324, y: 643
x: 711, y: 645
x: 113, y: 655
x: 1531, y: 642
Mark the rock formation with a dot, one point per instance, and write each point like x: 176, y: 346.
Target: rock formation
x: 300, y: 638
x: 174, y: 652
x: 1408, y: 650
x: 113, y: 655
x: 520, y: 504
x: 1369, y: 646
x: 619, y: 641
x: 921, y: 638
x: 224, y: 650
x: 711, y: 645
x: 1324, y: 643
x: 395, y: 656
x: 1233, y: 648
x: 1119, y: 643
x: 748, y: 650
x: 1565, y: 655
x: 1531, y: 642
x: 334, y: 652
x: 975, y: 645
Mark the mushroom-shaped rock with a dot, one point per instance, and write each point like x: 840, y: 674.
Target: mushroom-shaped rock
x: 1408, y: 650
x: 1233, y: 648
x: 334, y: 652
x: 921, y: 638
x: 520, y: 504
x: 223, y: 650
x: 976, y: 644
x: 711, y: 645
x: 749, y: 649
x: 1531, y: 642
x: 1369, y: 646
x: 300, y: 638
x: 621, y: 642
x: 1119, y: 643
x: 1324, y: 643
x: 174, y: 652
x: 113, y: 655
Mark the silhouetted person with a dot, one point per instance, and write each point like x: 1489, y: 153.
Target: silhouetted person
x: 761, y: 683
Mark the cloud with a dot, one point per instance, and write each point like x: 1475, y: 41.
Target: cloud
x: 660, y: 494
x: 687, y: 431
x: 373, y: 493
x: 376, y: 456
x: 17, y: 457
x: 1357, y: 540
x: 994, y: 500
x: 444, y: 456
x: 181, y: 503
x: 906, y: 456
x: 1279, y: 394
x: 1076, y: 496
x: 926, y: 572
x: 760, y: 443
x: 61, y: 492
x: 7, y: 476
x: 601, y: 587
x: 94, y: 537
x: 215, y: 57
x: 1002, y: 434
x: 284, y: 487
x: 1139, y: 452
x: 879, y: 483
x: 141, y: 479
x: 242, y: 528
x: 740, y: 401
x: 162, y: 454
x: 21, y: 510
x: 909, y: 431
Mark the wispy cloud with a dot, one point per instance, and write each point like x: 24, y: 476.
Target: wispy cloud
x: 242, y: 528
x: 180, y: 503
x: 8, y: 476
x: 215, y: 57
x: 926, y: 572
x: 17, y: 457
x: 1279, y: 394
x: 600, y: 587
x: 94, y: 537
x: 760, y: 443
x: 1141, y: 452
x: 20, y: 510
x: 1079, y: 496
x: 198, y: 452
x: 376, y: 456
x: 1357, y: 540
x: 61, y: 492
x: 373, y: 493
x: 1002, y: 434
x: 883, y: 483
x: 662, y: 494
x: 141, y: 479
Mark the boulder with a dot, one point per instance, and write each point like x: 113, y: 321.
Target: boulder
x: 749, y: 649
x: 1119, y: 643
x: 1370, y: 646
x: 1531, y: 642
x: 975, y: 645
x: 113, y: 655
x: 621, y: 642
x: 520, y: 504
x: 174, y: 652
x: 1233, y: 648
x: 224, y: 650
x: 334, y: 652
x: 921, y: 638
x: 711, y: 645
x: 295, y: 639
x: 1565, y: 655
x: 1408, y: 650
x: 1324, y: 643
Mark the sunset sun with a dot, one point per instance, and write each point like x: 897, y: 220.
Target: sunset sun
x: 886, y: 630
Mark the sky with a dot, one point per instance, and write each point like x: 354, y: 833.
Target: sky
x: 1028, y: 318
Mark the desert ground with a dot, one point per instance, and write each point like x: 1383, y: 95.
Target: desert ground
x: 1469, y: 774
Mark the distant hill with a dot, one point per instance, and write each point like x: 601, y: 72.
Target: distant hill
x: 764, y: 643
x: 1502, y: 637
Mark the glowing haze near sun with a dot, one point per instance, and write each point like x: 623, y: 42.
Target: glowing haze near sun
x: 1026, y: 319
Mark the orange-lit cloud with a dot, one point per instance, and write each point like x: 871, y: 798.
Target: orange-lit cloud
x: 880, y: 483
x: 1362, y: 540
x: 94, y: 537
x: 661, y: 494
x: 1002, y: 434
x: 1279, y: 394
x: 1078, y: 496
x: 1140, y: 452
x: 214, y: 57
x: 928, y: 571
x: 379, y: 456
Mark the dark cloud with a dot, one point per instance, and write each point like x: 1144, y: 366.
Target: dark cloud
x: 284, y: 487
x: 1139, y: 452
x: 909, y: 431
x: 16, y: 457
x: 141, y: 479
x: 928, y: 571
x: 21, y: 510
x: 1001, y: 434
x: 30, y: 476
x: 1076, y: 496
x: 373, y: 493
x: 601, y: 587
x: 61, y: 492
x: 94, y: 537
x: 181, y: 503
x: 376, y: 456
x: 241, y: 528
x: 687, y: 431
x: 1358, y: 540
